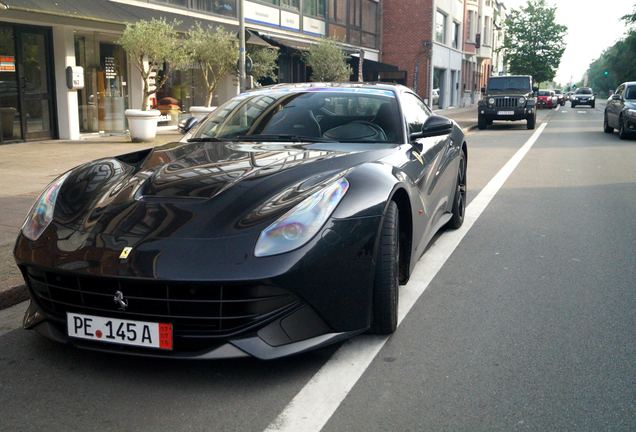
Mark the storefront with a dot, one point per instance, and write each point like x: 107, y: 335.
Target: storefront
x: 27, y: 101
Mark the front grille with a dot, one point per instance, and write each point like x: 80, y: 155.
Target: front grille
x: 506, y: 102
x: 195, y: 309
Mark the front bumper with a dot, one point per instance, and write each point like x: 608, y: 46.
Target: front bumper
x: 582, y: 102
x: 221, y: 305
x: 516, y: 113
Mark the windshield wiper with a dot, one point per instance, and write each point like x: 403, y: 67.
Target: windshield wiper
x: 281, y: 137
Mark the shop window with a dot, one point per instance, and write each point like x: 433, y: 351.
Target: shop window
x: 290, y: 4
x: 9, y: 113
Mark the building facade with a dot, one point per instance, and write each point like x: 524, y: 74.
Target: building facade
x: 447, y: 52
x: 40, y: 38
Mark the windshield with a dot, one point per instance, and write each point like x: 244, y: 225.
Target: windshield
x: 306, y: 114
x: 630, y: 92
x: 513, y: 84
x: 584, y: 90
x: 544, y: 93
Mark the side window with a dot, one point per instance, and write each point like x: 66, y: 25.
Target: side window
x: 620, y: 89
x: 415, y: 112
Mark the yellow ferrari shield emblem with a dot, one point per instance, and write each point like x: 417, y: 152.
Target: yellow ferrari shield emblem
x: 125, y: 252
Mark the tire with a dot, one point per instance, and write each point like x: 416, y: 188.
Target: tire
x: 531, y: 121
x: 622, y: 132
x: 489, y: 122
x: 593, y: 104
x: 387, y: 274
x: 572, y: 105
x: 481, y: 123
x: 562, y: 103
x: 606, y: 127
x: 459, y: 200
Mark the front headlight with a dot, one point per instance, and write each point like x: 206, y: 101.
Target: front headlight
x: 301, y: 223
x: 41, y: 214
x: 631, y: 112
x: 522, y: 100
x: 491, y: 101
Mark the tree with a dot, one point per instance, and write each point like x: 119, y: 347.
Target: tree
x: 263, y: 62
x: 150, y: 44
x: 215, y: 51
x: 533, y: 41
x: 327, y: 62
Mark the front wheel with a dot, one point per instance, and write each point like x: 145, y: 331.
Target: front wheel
x: 387, y: 274
x: 606, y: 127
x: 622, y: 130
x: 593, y: 104
x: 459, y: 200
x: 572, y: 105
x: 481, y: 122
x: 531, y: 122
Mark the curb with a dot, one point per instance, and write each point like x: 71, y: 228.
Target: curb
x: 13, y: 296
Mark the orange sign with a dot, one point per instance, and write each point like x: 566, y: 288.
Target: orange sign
x: 7, y: 64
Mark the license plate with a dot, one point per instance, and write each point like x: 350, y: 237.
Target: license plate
x: 126, y: 332
x: 505, y: 113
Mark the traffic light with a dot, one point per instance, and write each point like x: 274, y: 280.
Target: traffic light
x: 606, y: 73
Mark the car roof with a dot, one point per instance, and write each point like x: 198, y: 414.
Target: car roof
x: 629, y: 83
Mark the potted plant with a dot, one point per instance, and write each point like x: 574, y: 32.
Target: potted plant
x: 328, y: 62
x: 215, y: 51
x: 150, y: 44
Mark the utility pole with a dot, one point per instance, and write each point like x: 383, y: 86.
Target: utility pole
x: 241, y: 45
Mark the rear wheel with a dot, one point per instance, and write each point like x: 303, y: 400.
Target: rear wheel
x: 606, y: 127
x: 481, y: 122
x: 459, y: 201
x: 385, y: 290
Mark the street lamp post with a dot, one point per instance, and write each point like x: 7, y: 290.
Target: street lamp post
x: 242, y: 75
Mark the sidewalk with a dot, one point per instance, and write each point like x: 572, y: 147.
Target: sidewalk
x: 26, y: 168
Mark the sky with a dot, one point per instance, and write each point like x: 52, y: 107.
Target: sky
x: 593, y: 25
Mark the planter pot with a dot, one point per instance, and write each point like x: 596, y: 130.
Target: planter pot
x: 199, y: 112
x: 142, y: 124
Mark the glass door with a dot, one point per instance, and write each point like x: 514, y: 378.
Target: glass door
x: 34, y: 80
x: 10, y: 126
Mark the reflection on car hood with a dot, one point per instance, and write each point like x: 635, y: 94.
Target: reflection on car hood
x: 218, y: 184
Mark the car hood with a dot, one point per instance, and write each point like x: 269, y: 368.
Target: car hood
x: 236, y: 185
x: 630, y: 104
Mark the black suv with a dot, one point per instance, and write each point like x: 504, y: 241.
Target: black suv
x: 509, y: 97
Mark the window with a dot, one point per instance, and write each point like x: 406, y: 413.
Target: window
x: 314, y: 7
x: 369, y: 16
x: 415, y: 112
x: 338, y: 11
x: 456, y: 28
x: 471, y: 23
x: 487, y: 30
x: 222, y: 7
x: 440, y: 27
x: 290, y: 4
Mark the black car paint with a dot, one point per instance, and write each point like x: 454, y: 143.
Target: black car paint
x: 190, y: 212
x: 490, y: 112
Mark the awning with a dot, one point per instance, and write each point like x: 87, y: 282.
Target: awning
x: 280, y: 42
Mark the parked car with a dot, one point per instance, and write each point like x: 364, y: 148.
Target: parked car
x: 583, y: 96
x: 435, y: 97
x: 284, y: 222
x: 546, y: 99
x: 620, y: 111
x: 508, y: 97
x: 560, y: 97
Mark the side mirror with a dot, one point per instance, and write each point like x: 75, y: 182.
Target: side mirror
x: 595, y: 94
x: 434, y: 126
x: 187, y: 124
x: 616, y: 97
x: 535, y: 89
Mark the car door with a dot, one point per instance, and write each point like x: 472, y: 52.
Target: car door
x: 426, y: 164
x: 614, y: 107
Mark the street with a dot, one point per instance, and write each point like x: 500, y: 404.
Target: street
x: 527, y: 325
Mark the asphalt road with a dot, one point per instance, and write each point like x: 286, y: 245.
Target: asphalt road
x: 529, y: 325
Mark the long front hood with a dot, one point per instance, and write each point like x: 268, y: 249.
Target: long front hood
x: 200, y: 189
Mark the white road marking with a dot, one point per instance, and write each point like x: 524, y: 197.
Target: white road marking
x: 316, y: 402
x: 581, y: 112
x: 557, y: 108
x: 564, y: 111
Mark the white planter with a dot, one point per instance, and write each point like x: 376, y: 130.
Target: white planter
x: 199, y: 112
x: 142, y: 124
